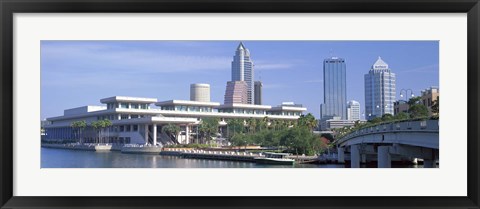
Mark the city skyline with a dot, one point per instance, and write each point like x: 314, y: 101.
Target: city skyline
x: 293, y: 79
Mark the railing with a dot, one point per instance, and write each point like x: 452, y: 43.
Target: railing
x: 405, y: 126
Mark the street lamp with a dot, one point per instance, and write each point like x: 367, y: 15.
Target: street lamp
x: 406, y: 93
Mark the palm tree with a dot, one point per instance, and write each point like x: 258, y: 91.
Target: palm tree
x: 105, y: 124
x: 252, y: 125
x: 96, y: 126
x: 74, y: 125
x: 208, y: 126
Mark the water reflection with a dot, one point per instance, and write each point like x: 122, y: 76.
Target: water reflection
x: 59, y: 158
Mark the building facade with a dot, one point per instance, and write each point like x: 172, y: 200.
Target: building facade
x: 334, y: 123
x: 429, y: 97
x: 242, y: 70
x: 236, y: 93
x: 258, y: 92
x: 401, y: 106
x: 353, y: 110
x: 137, y: 120
x: 379, y: 90
x: 200, y: 92
x: 334, y: 89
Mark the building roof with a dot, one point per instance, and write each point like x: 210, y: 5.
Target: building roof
x: 200, y: 84
x: 129, y: 99
x: 241, y: 46
x: 187, y: 102
x: 288, y: 108
x: 380, y: 64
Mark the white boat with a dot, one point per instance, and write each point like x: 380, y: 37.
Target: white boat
x: 275, y: 158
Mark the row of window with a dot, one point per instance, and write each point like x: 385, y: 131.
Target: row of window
x: 187, y: 108
x: 126, y: 105
x: 119, y: 117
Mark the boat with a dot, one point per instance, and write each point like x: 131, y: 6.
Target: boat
x: 275, y: 158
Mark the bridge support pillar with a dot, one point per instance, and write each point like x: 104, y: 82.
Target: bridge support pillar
x: 341, y: 155
x: 354, y: 156
x: 428, y: 163
x: 384, y: 159
x: 364, y: 158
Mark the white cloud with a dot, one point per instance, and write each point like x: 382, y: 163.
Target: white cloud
x: 104, y: 57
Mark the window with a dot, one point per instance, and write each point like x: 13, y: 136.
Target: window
x: 121, y: 128
x: 123, y: 105
x: 127, y: 128
x: 134, y: 106
x: 135, y: 127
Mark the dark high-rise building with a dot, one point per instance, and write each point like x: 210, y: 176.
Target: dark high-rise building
x: 334, y: 89
x: 258, y: 92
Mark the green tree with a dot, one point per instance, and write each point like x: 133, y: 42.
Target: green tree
x: 262, y: 124
x: 436, y: 106
x: 418, y: 111
x: 208, y: 128
x: 414, y: 100
x: 375, y: 120
x: 96, y: 125
x: 172, y: 131
x: 307, y: 121
x: 79, y: 127
x: 401, y: 116
x: 252, y: 125
x: 387, y: 117
x: 234, y: 126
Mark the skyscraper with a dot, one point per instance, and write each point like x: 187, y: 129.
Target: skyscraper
x: 334, y: 89
x: 379, y: 90
x: 236, y: 92
x: 258, y: 92
x: 353, y: 110
x: 242, y: 70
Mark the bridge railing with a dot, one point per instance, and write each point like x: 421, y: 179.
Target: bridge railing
x: 422, y: 125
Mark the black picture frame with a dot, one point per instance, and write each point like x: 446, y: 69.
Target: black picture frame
x: 10, y: 7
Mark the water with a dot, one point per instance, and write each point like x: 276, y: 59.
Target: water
x: 61, y: 158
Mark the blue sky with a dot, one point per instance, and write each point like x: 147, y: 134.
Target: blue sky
x: 79, y: 73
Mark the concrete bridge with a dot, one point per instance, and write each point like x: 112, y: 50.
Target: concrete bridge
x: 409, y: 139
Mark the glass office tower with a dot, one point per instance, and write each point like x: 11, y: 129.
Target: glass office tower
x: 242, y: 70
x: 334, y: 89
x: 379, y: 90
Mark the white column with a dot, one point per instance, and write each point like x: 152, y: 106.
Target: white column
x: 341, y: 155
x: 146, y: 133
x: 384, y: 159
x: 187, y: 135
x: 428, y: 163
x: 354, y: 156
x: 154, y: 134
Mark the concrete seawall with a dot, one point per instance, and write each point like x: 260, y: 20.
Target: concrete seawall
x: 89, y: 147
x: 142, y: 150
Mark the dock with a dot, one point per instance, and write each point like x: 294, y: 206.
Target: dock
x: 212, y: 155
